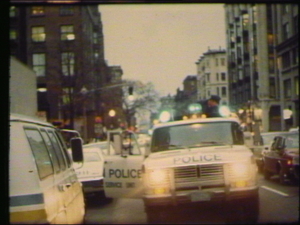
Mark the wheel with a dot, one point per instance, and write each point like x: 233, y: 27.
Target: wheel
x: 267, y: 174
x: 282, y: 176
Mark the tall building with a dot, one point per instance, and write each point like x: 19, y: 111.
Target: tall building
x: 251, y: 52
x: 63, y: 44
x: 212, y: 75
x: 286, y: 29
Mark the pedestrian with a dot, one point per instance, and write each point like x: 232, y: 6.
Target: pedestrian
x: 212, y: 109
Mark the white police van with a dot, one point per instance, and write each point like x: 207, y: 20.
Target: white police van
x: 189, y: 162
x: 43, y: 186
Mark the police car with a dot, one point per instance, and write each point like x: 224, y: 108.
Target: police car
x: 189, y: 162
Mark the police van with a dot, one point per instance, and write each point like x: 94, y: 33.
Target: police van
x: 189, y: 162
x: 43, y: 186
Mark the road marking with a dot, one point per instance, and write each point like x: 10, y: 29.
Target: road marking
x: 273, y: 190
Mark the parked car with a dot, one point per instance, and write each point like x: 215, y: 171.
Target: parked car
x: 260, y: 151
x: 283, y: 158
x: 90, y: 173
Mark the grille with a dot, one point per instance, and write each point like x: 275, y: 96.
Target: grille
x: 192, y: 177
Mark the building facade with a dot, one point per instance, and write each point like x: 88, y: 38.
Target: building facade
x: 63, y: 44
x: 252, y: 49
x: 286, y: 29
x: 212, y: 77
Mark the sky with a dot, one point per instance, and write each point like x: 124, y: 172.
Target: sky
x: 160, y: 43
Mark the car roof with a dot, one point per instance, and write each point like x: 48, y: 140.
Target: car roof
x: 199, y: 120
x: 28, y: 119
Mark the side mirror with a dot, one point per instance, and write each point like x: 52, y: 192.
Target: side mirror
x: 77, y: 150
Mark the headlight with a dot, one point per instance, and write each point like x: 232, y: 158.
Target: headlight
x: 239, y: 175
x: 158, y: 181
x: 158, y: 177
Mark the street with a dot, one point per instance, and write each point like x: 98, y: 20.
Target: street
x: 278, y: 204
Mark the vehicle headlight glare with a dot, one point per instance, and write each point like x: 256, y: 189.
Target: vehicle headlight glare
x: 238, y: 170
x: 158, y: 177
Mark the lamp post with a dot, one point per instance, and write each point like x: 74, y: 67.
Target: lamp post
x: 84, y: 91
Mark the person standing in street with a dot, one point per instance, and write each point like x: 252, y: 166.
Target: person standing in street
x: 212, y: 109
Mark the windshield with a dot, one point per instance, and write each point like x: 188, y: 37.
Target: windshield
x: 292, y: 140
x: 195, y: 135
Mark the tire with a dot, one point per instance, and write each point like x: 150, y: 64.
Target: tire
x: 267, y: 174
x: 282, y: 177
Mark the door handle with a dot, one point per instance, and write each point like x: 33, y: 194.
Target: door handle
x: 107, y: 162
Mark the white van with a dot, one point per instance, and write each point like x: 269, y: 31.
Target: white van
x: 43, y: 186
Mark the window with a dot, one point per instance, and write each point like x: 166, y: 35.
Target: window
x: 67, y: 33
x: 287, y: 88
x: 12, y: 11
x: 218, y: 91
x: 295, y: 59
x: 66, y: 10
x: 52, y: 152
x: 38, y: 34
x: 37, y: 10
x: 224, y: 92
x: 95, y: 38
x: 40, y: 152
x: 57, y: 150
x: 67, y: 63
x: 39, y: 64
x: 222, y: 62
x: 66, y: 99
x: 13, y: 34
x: 296, y: 24
x: 223, y: 76
x: 297, y: 85
x: 286, y: 62
x: 272, y: 88
x: 208, y: 77
x: 285, y: 31
x: 217, y: 62
x: 217, y: 76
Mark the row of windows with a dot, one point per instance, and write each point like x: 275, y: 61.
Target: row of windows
x: 67, y: 63
x: 49, y: 151
x: 64, y: 10
x: 38, y: 34
x: 218, y: 61
x: 219, y: 77
x: 221, y: 91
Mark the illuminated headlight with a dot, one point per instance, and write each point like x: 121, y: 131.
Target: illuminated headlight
x: 158, y: 177
x: 158, y: 181
x: 240, y: 175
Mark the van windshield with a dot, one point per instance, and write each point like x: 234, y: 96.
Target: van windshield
x: 195, y: 135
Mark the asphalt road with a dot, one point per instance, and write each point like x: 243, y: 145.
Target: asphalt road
x: 278, y: 204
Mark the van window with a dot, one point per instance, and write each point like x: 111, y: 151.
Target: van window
x: 64, y: 147
x: 40, y: 152
x: 57, y: 149
x: 51, y: 151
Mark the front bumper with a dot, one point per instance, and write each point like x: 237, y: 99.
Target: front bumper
x: 188, y: 197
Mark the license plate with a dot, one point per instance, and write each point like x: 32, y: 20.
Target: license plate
x: 200, y: 196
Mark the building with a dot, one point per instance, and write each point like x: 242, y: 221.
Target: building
x: 22, y: 92
x: 184, y: 97
x: 212, y: 75
x: 63, y: 44
x: 286, y: 29
x: 257, y: 36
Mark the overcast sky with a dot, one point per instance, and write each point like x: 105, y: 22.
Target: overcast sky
x: 160, y: 43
